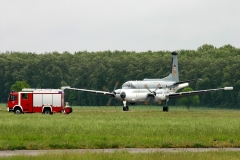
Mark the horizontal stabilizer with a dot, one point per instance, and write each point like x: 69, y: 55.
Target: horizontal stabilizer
x: 191, y: 80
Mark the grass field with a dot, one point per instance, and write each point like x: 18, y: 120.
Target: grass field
x: 94, y: 127
x: 134, y: 156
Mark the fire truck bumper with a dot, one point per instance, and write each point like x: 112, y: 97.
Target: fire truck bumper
x: 9, y: 110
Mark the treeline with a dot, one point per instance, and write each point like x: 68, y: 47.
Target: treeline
x: 218, y: 67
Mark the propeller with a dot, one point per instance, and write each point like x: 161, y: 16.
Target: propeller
x: 152, y: 94
x: 113, y: 93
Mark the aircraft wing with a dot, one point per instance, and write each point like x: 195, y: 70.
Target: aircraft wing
x: 87, y: 90
x: 192, y: 93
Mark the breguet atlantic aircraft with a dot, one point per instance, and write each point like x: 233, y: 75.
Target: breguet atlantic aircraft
x: 152, y: 90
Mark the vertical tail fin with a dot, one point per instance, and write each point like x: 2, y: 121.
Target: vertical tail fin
x: 174, y: 75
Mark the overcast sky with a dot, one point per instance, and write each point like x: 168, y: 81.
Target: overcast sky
x: 133, y: 25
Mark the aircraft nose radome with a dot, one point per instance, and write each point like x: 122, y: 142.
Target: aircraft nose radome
x: 174, y: 53
x: 123, y: 95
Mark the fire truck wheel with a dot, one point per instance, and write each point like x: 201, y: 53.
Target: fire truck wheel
x: 17, y: 111
x: 47, y: 111
x: 68, y: 110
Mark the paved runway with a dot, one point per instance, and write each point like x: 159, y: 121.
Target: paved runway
x: 130, y: 150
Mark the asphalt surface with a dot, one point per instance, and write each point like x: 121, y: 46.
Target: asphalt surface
x: 130, y: 150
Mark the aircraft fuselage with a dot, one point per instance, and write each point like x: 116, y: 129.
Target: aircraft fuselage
x: 138, y: 91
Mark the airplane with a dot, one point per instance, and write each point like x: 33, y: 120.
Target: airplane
x: 152, y: 90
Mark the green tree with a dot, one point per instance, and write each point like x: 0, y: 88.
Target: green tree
x: 19, y: 85
x: 188, y: 101
x: 218, y: 67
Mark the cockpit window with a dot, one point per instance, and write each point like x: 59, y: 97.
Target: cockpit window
x: 128, y: 85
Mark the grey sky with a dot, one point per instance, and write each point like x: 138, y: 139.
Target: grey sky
x: 133, y: 25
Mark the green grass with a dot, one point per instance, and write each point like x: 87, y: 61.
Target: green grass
x: 133, y: 156
x: 94, y: 127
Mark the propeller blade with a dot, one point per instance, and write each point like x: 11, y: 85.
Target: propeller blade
x: 147, y: 100
x: 157, y: 87
x: 147, y: 88
x: 109, y: 102
x: 146, y: 103
x: 116, y: 84
x: 113, y: 93
x: 106, y: 89
x: 160, y: 102
x: 152, y: 92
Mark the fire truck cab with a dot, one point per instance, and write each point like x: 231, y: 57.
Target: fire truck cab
x: 46, y: 101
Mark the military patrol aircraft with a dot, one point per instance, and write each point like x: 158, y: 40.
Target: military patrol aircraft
x: 152, y: 90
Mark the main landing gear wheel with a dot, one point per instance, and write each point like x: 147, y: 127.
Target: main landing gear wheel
x: 165, y: 109
x: 125, y: 108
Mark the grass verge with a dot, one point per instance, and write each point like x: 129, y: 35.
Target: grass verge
x: 133, y: 156
x: 94, y: 127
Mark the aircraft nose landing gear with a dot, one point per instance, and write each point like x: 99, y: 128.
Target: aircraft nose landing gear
x: 125, y: 107
x: 123, y: 96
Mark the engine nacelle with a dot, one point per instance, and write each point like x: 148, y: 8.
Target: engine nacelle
x: 180, y: 86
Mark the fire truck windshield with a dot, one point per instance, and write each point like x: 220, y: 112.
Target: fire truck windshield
x: 12, y: 97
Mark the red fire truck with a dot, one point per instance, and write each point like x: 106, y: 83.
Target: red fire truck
x: 46, y: 101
